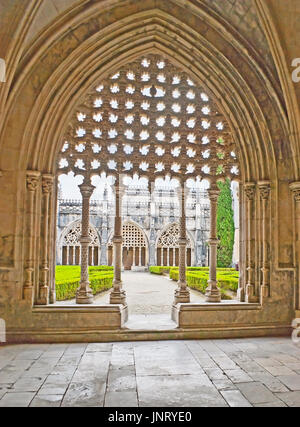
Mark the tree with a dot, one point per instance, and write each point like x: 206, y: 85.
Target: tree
x: 225, y: 225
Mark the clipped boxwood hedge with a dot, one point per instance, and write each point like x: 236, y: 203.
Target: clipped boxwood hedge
x: 197, y: 278
x: 159, y: 269
x: 68, y: 279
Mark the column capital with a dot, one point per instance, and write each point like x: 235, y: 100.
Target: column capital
x: 86, y: 190
x: 264, y: 189
x: 295, y: 188
x: 213, y: 193
x: 250, y: 190
x: 47, y: 183
x: 32, y: 180
x: 118, y: 189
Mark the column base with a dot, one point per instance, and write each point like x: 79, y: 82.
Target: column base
x: 84, y: 296
x: 181, y: 295
x: 28, y: 294
x: 52, y: 297
x: 241, y: 294
x: 212, y: 293
x: 118, y: 297
x: 250, y: 297
x: 264, y: 292
x: 44, y: 296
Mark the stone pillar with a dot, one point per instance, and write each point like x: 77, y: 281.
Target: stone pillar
x: 152, y: 237
x: 168, y: 257
x: 242, y: 245
x: 47, y: 188
x: 84, y: 294
x: 182, y: 294
x: 250, y: 286
x: 133, y: 256
x: 32, y: 181
x: 117, y: 295
x: 264, y: 189
x: 295, y: 188
x: 213, y: 293
x: 52, y: 236
x: 140, y: 256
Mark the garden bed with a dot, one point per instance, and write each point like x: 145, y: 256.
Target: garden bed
x: 67, y: 280
x: 197, y: 278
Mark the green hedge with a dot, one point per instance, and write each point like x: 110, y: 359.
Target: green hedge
x: 159, y: 269
x: 197, y: 279
x: 68, y: 279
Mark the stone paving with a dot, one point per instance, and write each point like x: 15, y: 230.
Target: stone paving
x: 236, y: 372
x: 148, y: 293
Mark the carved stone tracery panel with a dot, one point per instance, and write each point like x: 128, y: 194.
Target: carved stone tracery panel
x: 150, y: 119
x: 73, y: 234
x: 132, y: 237
x: 169, y: 238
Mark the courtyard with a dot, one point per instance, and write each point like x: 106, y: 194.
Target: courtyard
x: 197, y: 373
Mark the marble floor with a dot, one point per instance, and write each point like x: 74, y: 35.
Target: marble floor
x: 236, y: 372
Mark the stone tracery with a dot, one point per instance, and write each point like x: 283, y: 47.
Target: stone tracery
x: 70, y: 245
x: 151, y: 119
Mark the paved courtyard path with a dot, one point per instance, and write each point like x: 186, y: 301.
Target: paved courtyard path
x: 149, y: 298
x: 148, y: 293
x: 205, y: 373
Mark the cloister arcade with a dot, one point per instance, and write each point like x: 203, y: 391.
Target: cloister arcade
x: 135, y: 253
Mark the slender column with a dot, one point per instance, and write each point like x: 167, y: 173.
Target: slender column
x: 118, y: 295
x: 295, y: 188
x: 93, y: 254
x: 74, y: 255
x: 264, y: 189
x: 162, y: 256
x: 242, y: 243
x: 52, y: 236
x: 182, y: 294
x: 152, y: 237
x: 213, y: 293
x: 68, y: 255
x: 84, y: 294
x: 133, y: 256
x: 168, y: 257
x: 140, y: 256
x: 32, y: 181
x: 250, y: 286
x: 47, y: 187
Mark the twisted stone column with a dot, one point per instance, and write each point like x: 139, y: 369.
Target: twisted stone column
x: 213, y: 293
x: 47, y: 187
x: 118, y: 295
x: 295, y: 188
x: 250, y: 286
x: 152, y: 237
x: 84, y: 294
x: 264, y: 189
x: 182, y: 294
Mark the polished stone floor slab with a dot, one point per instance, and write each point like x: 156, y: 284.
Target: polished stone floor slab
x: 254, y: 372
